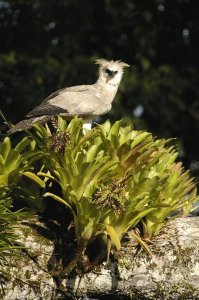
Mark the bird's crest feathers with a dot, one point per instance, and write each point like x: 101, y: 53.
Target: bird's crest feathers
x: 104, y: 62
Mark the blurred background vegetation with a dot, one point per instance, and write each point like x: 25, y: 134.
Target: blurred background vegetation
x: 47, y: 45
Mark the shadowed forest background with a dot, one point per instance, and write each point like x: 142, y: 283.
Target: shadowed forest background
x: 47, y: 45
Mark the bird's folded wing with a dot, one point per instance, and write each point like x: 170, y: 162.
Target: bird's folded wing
x: 46, y: 109
x: 87, y: 101
x: 76, y: 88
x: 26, y: 124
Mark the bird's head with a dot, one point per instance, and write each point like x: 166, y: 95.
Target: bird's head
x: 111, y: 71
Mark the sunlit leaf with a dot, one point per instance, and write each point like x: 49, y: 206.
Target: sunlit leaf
x: 141, y: 242
x: 113, y: 236
x: 57, y: 198
x: 35, y: 178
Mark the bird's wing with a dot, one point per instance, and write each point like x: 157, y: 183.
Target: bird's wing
x: 76, y: 88
x: 46, y: 109
x: 78, y: 100
x: 26, y: 124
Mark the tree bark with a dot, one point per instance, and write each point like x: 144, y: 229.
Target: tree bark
x: 171, y: 273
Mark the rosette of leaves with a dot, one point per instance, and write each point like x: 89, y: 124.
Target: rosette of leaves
x: 112, y: 179
x: 15, y: 163
x: 16, y: 176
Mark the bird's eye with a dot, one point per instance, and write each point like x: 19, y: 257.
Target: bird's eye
x: 116, y: 72
x: 107, y: 71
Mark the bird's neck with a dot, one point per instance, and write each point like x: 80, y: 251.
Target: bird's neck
x: 107, y: 83
x: 107, y: 86
x: 108, y: 90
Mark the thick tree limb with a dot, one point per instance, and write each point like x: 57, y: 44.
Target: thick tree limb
x: 172, y: 272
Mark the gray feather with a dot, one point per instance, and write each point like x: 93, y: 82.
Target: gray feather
x: 29, y: 123
x: 46, y: 109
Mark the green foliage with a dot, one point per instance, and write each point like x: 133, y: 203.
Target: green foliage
x: 6, y: 231
x: 112, y: 179
x: 8, y: 239
x: 14, y: 163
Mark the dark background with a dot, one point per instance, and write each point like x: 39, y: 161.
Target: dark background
x: 47, y: 45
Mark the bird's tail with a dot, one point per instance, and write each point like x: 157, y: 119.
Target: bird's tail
x: 29, y: 123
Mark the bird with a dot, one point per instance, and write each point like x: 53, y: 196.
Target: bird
x: 85, y: 101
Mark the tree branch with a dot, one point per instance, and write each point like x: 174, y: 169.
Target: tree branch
x: 172, y: 272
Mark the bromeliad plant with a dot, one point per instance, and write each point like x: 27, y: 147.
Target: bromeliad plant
x: 112, y: 178
x: 14, y: 162
x: 16, y: 180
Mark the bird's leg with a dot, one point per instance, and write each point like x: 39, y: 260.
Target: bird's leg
x: 87, y: 125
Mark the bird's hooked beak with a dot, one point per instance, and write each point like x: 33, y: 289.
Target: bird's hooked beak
x: 112, y: 73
